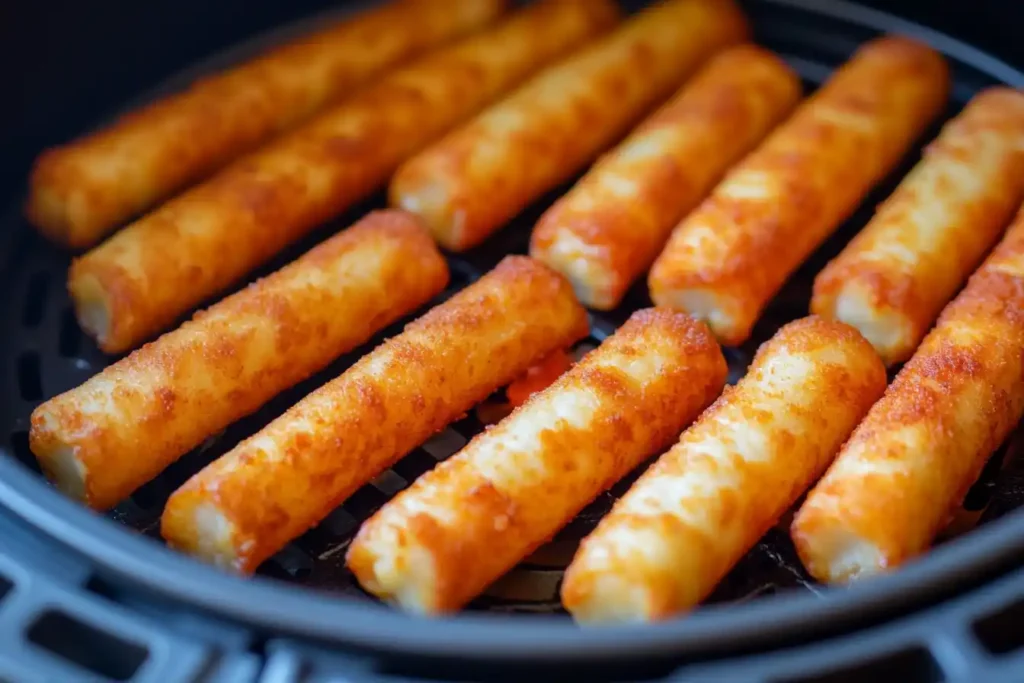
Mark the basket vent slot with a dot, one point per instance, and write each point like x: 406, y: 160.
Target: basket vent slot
x: 35, y: 300
x: 389, y: 483
x: 30, y: 380
x: 69, y: 342
x: 1000, y: 632
x: 5, y: 587
x: 97, y: 585
x: 87, y: 646
x: 151, y: 494
x: 293, y: 562
x: 365, y: 502
x: 913, y: 665
x: 443, y: 445
x: 414, y: 464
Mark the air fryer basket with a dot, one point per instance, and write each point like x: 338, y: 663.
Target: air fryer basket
x: 43, y: 352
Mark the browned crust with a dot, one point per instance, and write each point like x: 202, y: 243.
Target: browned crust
x: 481, y: 175
x: 496, y: 522
x: 348, y: 431
x: 813, y: 171
x: 915, y: 455
x: 81, y: 190
x: 134, y: 418
x: 731, y: 501
x: 714, y: 119
x: 239, y: 219
x: 916, y: 292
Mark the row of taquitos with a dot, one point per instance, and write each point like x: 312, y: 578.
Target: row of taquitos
x: 668, y: 541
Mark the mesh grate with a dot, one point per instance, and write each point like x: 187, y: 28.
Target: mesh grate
x: 43, y: 352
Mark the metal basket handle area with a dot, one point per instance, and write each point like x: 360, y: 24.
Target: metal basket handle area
x: 59, y: 622
x: 960, y: 641
x: 56, y: 627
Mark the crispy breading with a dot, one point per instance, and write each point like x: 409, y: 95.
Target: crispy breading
x: 727, y: 259
x: 911, y: 461
x: 683, y: 525
x: 893, y: 279
x: 274, y: 486
x: 608, y: 229
x: 462, y: 525
x: 202, y: 242
x: 102, y: 440
x: 79, y: 192
x: 473, y: 181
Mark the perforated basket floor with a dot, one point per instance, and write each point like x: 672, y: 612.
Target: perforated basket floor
x: 43, y: 352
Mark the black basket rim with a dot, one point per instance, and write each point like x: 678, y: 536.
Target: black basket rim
x: 303, y: 612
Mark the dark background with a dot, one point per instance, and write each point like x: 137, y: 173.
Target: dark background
x: 66, y: 62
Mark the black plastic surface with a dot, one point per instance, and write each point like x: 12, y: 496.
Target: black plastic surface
x: 42, y: 353
x: 54, y: 626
